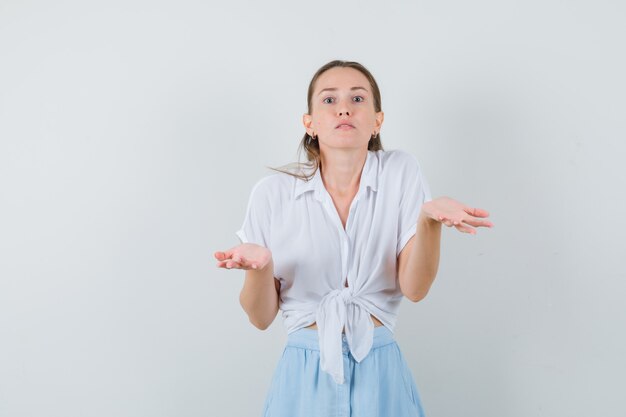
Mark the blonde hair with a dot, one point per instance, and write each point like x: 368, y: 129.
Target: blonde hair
x: 311, y: 146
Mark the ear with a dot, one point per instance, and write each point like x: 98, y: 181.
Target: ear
x: 380, y: 116
x: 307, y: 121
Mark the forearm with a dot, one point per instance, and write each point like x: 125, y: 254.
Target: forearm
x: 259, y: 296
x: 423, y: 262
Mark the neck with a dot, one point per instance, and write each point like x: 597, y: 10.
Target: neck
x: 341, y: 170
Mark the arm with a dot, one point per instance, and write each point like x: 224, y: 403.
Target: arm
x: 260, y: 293
x: 259, y: 296
x: 418, y: 261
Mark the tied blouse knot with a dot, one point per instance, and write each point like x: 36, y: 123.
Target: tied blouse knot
x: 337, y: 309
x: 333, y: 275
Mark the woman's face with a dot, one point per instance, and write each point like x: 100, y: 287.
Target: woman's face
x: 342, y: 110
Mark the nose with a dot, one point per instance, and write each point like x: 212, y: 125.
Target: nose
x: 343, y: 109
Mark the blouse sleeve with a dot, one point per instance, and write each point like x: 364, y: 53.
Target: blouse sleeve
x: 415, y: 192
x: 256, y: 223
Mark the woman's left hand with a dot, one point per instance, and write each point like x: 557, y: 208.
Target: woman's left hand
x: 454, y: 213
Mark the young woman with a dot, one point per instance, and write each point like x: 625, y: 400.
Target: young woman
x: 336, y: 248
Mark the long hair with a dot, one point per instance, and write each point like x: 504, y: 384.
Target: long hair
x: 311, y: 146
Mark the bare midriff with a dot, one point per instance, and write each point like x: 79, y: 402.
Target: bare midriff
x: 374, y: 319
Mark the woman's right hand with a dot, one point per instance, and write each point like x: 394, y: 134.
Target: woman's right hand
x: 245, y: 256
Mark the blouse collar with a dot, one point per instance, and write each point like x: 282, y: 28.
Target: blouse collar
x: 369, y: 178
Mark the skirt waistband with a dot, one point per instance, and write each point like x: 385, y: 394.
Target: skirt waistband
x: 309, y: 339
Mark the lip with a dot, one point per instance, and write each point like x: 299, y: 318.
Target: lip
x: 344, y: 126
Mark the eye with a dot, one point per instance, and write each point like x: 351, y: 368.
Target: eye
x: 328, y: 100
x: 358, y: 99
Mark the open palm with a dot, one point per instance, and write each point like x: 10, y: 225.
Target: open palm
x: 244, y: 256
x: 454, y: 213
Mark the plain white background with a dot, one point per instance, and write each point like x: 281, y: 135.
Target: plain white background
x: 131, y: 133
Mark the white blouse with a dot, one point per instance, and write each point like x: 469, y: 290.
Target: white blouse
x: 330, y: 275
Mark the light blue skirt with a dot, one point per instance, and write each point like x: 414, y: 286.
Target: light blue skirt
x: 381, y: 385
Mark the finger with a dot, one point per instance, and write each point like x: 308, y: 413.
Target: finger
x: 233, y: 265
x: 229, y: 264
x: 221, y: 264
x: 222, y: 255
x: 246, y: 266
x: 227, y: 254
x: 465, y: 229
x: 242, y: 264
x: 478, y: 223
x: 476, y: 212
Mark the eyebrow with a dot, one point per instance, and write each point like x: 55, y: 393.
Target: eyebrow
x: 335, y: 89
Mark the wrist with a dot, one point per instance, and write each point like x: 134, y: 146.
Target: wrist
x: 426, y: 220
x: 268, y: 267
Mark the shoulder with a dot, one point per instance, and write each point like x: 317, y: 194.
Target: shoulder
x: 267, y: 183
x: 398, y: 162
x: 272, y: 187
